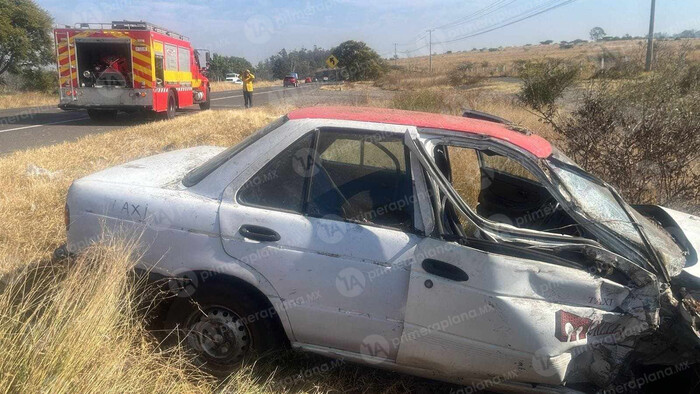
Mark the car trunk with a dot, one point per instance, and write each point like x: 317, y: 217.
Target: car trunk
x: 159, y: 171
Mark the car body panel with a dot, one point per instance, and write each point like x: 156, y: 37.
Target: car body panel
x: 508, y: 307
x: 309, y: 247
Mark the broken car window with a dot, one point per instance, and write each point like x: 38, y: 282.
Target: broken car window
x: 502, y: 190
x: 598, y: 203
x: 505, y: 165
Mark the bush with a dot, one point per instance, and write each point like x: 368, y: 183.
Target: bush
x: 421, y: 100
x: 462, y: 75
x: 619, y: 66
x: 643, y: 136
x: 39, y: 80
x: 544, y: 83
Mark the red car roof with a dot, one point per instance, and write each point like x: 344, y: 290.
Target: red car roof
x: 534, y: 144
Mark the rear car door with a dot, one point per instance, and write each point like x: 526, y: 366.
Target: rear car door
x: 327, y: 219
x: 479, y: 309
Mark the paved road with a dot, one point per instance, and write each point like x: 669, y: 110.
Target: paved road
x: 24, y: 128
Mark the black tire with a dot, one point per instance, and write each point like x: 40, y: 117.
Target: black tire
x: 221, y: 325
x: 102, y: 115
x: 171, y: 108
x: 206, y: 104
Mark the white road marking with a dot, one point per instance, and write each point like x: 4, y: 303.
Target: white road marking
x: 44, y: 124
x: 254, y: 94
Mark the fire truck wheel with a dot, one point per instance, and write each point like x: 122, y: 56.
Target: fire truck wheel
x: 207, y: 104
x: 98, y: 115
x: 172, y: 107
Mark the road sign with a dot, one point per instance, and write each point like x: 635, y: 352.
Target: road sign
x: 332, y: 61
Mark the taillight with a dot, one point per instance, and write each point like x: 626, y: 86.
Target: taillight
x: 66, y: 217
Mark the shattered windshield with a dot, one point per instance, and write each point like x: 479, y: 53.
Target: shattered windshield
x: 598, y: 204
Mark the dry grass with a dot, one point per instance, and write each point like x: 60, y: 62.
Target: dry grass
x: 72, y: 328
x: 500, y: 63
x: 223, y: 86
x: 28, y: 99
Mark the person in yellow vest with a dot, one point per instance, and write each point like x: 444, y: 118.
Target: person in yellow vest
x: 247, y: 79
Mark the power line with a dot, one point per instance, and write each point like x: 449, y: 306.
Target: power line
x: 419, y: 37
x: 490, y: 9
x: 413, y: 50
x: 510, y: 21
x: 493, y: 7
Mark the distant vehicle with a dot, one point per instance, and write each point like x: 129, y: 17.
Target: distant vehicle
x: 343, y: 231
x: 234, y: 78
x: 325, y: 79
x: 307, y: 80
x: 128, y: 66
x: 291, y: 80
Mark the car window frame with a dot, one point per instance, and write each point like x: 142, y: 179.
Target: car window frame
x: 447, y: 137
x: 307, y: 181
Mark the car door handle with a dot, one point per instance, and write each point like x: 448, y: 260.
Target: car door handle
x: 259, y: 233
x: 444, y: 270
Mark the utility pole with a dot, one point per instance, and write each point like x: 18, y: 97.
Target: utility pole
x: 650, y: 40
x: 430, y: 48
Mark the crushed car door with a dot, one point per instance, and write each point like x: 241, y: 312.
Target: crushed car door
x: 479, y: 309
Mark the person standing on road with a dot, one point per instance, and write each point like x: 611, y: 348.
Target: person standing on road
x: 248, y: 78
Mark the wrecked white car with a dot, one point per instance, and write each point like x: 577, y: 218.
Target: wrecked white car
x: 457, y: 248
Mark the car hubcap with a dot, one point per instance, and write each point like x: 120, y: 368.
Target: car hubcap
x: 219, y: 333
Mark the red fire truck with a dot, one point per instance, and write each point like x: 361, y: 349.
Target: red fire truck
x: 128, y: 66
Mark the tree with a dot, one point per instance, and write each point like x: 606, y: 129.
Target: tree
x: 597, y: 33
x: 222, y: 65
x: 25, y: 36
x: 303, y: 61
x: 548, y: 42
x: 358, y: 61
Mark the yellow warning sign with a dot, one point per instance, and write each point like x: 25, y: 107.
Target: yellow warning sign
x: 332, y: 61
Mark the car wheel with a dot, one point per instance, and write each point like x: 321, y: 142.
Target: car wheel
x: 207, y: 104
x: 221, y: 325
x: 171, y: 108
x: 101, y: 115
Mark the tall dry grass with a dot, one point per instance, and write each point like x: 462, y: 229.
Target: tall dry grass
x: 73, y: 328
x: 27, y: 99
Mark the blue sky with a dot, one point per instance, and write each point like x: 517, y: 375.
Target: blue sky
x: 257, y: 29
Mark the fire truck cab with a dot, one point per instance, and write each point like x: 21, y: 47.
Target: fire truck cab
x: 128, y: 66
